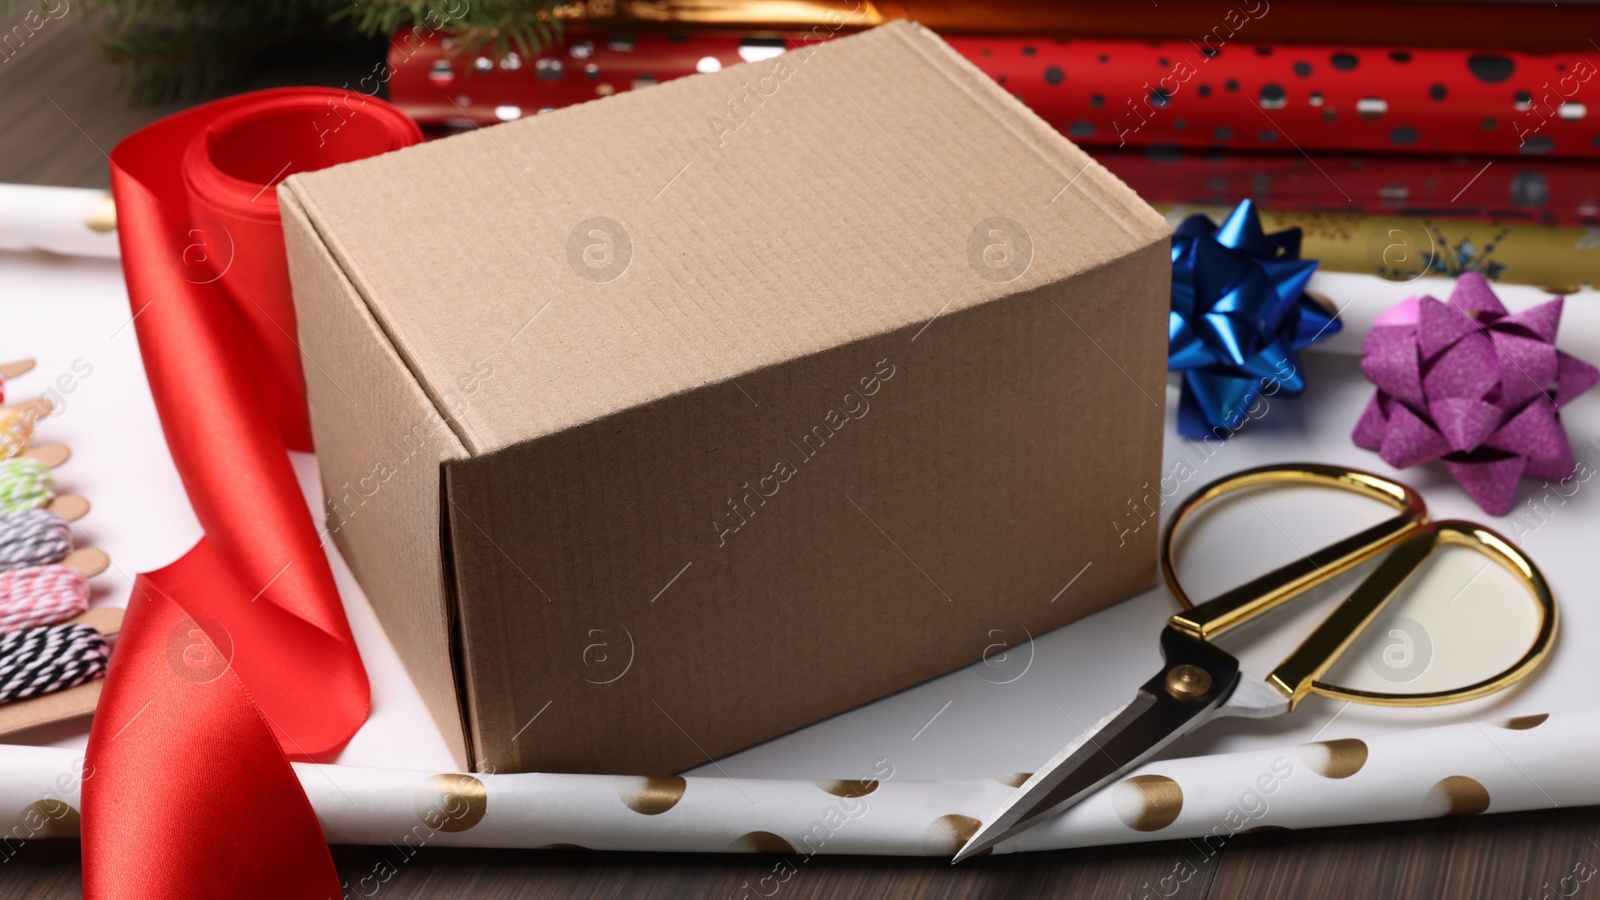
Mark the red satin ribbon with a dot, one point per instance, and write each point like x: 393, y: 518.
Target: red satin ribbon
x: 237, y: 656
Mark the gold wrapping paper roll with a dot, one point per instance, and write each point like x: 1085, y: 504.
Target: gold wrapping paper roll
x: 1404, y: 248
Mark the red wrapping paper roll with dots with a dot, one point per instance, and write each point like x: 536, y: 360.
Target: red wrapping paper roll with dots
x: 1235, y: 96
x: 1213, y: 91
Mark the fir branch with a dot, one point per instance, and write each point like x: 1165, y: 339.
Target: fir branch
x: 185, y: 49
x: 479, y: 27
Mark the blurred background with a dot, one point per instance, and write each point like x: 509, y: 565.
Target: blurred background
x: 1406, y: 137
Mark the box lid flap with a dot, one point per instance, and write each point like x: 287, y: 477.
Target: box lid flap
x: 607, y: 255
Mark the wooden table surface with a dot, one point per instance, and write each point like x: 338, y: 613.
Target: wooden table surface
x: 61, y: 109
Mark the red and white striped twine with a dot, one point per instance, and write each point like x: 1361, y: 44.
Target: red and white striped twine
x: 41, y: 595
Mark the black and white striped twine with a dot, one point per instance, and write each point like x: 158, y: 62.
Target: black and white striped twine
x: 47, y: 658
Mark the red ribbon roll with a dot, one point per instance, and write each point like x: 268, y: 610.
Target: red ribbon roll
x: 238, y: 656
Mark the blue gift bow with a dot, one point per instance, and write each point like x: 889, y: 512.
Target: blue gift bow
x: 1240, y: 316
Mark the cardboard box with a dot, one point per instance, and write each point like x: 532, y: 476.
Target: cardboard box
x: 663, y: 425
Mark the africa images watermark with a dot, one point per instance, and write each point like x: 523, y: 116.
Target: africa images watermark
x: 1144, y: 510
x: 1210, y: 44
x: 346, y: 501
x: 1538, y: 510
x: 16, y: 434
x: 999, y: 249
x: 853, y: 803
x: 51, y: 816
x: 444, y: 804
x: 1251, y: 807
x: 739, y: 109
x: 1567, y: 885
x: 32, y: 22
x: 435, y: 21
x: 1556, y: 101
x: 854, y: 406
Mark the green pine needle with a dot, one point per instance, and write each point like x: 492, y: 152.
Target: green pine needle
x: 186, y: 49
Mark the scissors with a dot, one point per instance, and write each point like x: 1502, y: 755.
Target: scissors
x: 1200, y: 682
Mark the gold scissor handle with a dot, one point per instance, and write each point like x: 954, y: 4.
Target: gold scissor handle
x: 1301, y: 672
x: 1413, y: 540
x: 1257, y: 596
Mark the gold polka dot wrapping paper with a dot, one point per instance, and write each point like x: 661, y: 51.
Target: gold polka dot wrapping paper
x: 58, y: 220
x: 1349, y: 774
x: 1494, y: 766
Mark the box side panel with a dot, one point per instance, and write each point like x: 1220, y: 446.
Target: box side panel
x: 380, y: 443
x: 720, y: 567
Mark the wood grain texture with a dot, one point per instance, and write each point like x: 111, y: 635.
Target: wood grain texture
x: 50, y: 870
x: 61, y: 109
x: 1542, y: 854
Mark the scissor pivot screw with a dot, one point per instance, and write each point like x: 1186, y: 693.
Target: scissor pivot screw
x: 1188, y: 682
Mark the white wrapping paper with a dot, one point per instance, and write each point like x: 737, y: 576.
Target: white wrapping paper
x: 1497, y: 766
x: 928, y: 748
x: 68, y: 221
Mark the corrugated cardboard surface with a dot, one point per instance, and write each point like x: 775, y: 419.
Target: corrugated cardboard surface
x: 794, y: 233
x: 380, y: 442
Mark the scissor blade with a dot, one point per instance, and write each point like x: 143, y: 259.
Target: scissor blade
x: 1117, y: 744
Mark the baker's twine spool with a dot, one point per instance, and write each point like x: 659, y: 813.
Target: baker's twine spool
x: 24, y: 485
x: 16, y: 430
x: 10, y: 370
x: 37, y: 537
x: 41, y: 595
x: 49, y: 658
